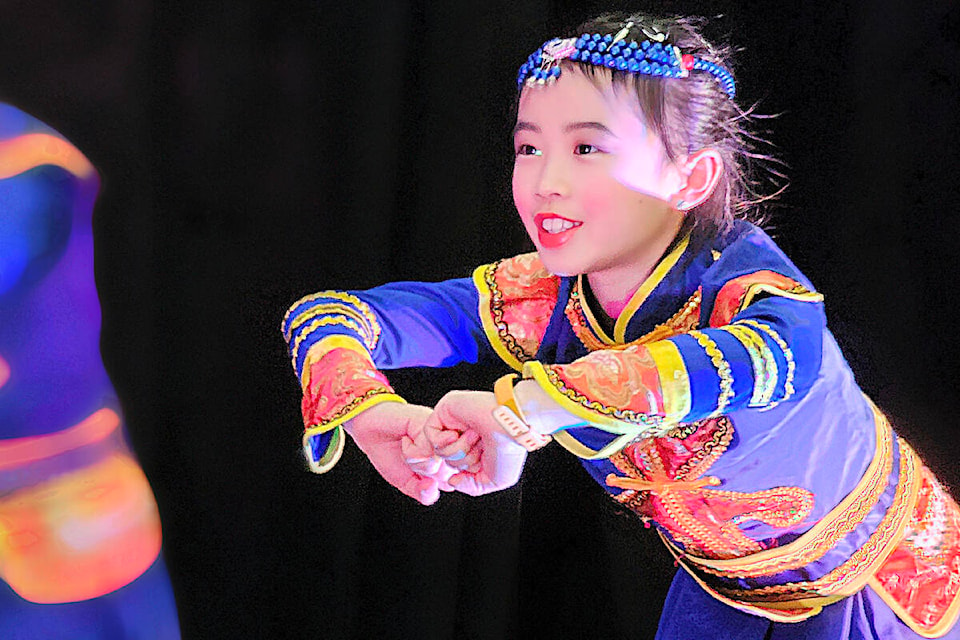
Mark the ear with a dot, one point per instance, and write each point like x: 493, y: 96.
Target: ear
x: 702, y: 171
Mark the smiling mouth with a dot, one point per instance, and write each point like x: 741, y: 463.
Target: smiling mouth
x: 553, y: 230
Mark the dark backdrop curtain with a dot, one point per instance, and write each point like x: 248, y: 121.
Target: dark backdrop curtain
x: 253, y: 152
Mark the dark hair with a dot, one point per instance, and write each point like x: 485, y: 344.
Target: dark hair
x: 694, y: 113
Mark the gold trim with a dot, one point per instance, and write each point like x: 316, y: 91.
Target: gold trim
x: 831, y: 528
x: 947, y: 620
x: 614, y: 420
x: 486, y: 309
x: 674, y: 380
x: 313, y: 326
x: 324, y: 346
x: 938, y: 630
x: 640, y: 296
x: 844, y: 580
x: 800, y: 293
x: 592, y: 322
x: 371, y: 337
x: 329, y: 458
x: 503, y: 392
x: 722, y: 367
x: 333, y: 309
x: 581, y: 450
x: 806, y: 608
x: 348, y: 412
x: 788, y: 389
x: 764, y: 365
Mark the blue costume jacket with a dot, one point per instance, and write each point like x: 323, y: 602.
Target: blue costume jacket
x: 718, y: 407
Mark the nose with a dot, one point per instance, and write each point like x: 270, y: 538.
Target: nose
x: 553, y: 181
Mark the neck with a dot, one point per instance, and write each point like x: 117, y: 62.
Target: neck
x: 615, y: 286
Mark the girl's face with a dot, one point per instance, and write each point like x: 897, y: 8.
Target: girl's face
x: 591, y: 183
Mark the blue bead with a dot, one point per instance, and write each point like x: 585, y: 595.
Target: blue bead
x: 634, y: 45
x: 592, y: 46
x: 627, y: 52
x: 602, y: 47
x: 555, y: 72
x: 596, y: 37
x: 657, y: 46
x: 584, y: 36
x: 655, y: 69
x: 575, y: 55
x: 607, y: 59
x: 645, y: 45
x: 615, y: 50
x: 645, y: 67
x: 608, y: 38
x: 634, y: 66
x: 621, y: 64
x: 596, y: 58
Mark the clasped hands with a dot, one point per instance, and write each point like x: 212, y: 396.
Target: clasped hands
x: 457, y: 445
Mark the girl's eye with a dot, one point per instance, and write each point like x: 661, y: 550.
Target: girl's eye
x: 585, y: 149
x: 528, y: 150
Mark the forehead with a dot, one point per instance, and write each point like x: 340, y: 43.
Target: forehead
x: 574, y: 97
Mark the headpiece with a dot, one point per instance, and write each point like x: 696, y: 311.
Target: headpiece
x: 651, y: 56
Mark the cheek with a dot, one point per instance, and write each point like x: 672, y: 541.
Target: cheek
x: 521, y: 195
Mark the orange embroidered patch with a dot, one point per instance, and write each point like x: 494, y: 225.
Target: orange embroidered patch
x: 920, y: 579
x: 339, y: 381
x: 702, y: 519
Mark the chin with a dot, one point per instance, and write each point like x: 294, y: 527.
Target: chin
x: 558, y: 266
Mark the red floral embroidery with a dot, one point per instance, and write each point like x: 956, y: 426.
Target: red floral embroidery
x: 522, y: 297
x: 626, y: 379
x: 922, y: 575
x: 339, y: 381
x: 702, y: 519
x: 731, y: 296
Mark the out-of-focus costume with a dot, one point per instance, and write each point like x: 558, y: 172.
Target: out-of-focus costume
x: 79, y: 530
x: 718, y: 407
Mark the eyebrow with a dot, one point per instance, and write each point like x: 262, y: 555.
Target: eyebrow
x: 573, y: 126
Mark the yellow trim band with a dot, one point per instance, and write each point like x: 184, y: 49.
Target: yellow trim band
x: 325, y: 346
x: 833, y: 526
x: 592, y: 319
x: 674, y: 380
x: 765, y: 374
x: 503, y: 392
x: 761, y: 287
x: 936, y: 631
x: 316, y: 324
x: 332, y: 455
x: 485, y: 312
x: 581, y: 450
x: 638, y: 298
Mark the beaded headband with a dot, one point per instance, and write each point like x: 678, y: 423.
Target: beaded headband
x: 651, y: 57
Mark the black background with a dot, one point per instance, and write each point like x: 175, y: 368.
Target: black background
x: 253, y: 152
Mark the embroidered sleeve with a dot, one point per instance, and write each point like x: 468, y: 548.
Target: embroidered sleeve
x: 767, y: 351
x: 516, y: 300
x: 339, y: 342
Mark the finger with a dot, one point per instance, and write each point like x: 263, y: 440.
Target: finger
x: 415, y: 450
x: 395, y: 471
x: 469, y: 461
x: 471, y: 484
x: 442, y: 438
x: 460, y: 446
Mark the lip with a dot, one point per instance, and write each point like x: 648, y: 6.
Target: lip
x: 554, y: 240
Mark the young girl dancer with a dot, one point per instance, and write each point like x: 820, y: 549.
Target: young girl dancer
x: 667, y: 343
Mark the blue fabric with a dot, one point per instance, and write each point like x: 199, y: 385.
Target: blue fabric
x: 689, y: 612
